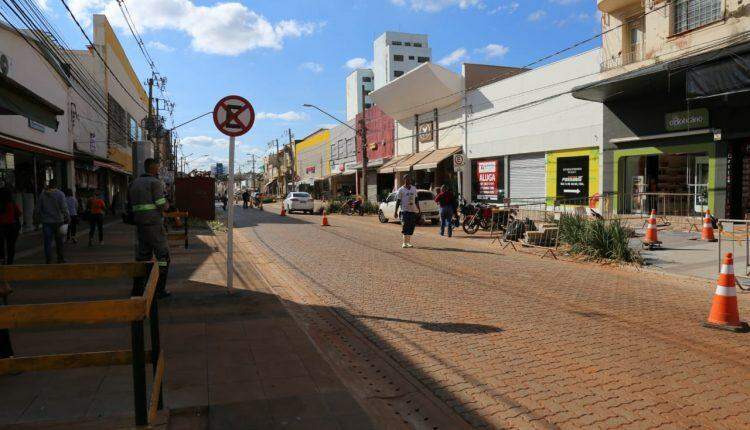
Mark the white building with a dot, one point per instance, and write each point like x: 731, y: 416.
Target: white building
x: 354, y: 83
x: 396, y: 54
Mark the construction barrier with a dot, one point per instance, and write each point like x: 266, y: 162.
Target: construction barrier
x: 135, y: 310
x: 180, y: 220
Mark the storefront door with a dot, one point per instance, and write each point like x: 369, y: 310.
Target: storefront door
x: 699, y: 185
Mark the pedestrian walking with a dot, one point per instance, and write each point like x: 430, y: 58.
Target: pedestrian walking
x: 147, y: 202
x: 410, y: 211
x: 10, y: 225
x: 72, y: 203
x: 245, y: 199
x: 6, y: 349
x: 224, y: 201
x: 446, y: 200
x: 96, y: 217
x: 51, y: 212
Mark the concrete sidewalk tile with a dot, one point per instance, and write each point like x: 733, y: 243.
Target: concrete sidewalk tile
x: 239, y: 373
x: 289, y: 386
x: 299, y: 406
x: 341, y: 403
x: 289, y: 367
x: 355, y: 422
x: 233, y: 392
x: 56, y: 408
x: 239, y: 415
x: 186, y: 396
x: 324, y: 423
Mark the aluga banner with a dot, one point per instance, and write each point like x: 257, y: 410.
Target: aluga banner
x: 487, y: 172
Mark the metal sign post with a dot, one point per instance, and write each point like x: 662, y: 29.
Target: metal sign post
x: 233, y: 116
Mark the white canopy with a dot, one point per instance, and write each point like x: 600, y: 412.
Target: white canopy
x: 423, y: 89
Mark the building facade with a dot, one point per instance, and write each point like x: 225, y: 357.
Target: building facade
x: 380, y: 149
x: 312, y: 163
x: 395, y: 54
x: 355, y: 96
x: 674, y: 93
x: 343, y: 159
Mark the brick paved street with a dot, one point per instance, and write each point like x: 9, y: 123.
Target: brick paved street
x: 510, y: 340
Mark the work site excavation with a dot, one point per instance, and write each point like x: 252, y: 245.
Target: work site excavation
x: 382, y: 214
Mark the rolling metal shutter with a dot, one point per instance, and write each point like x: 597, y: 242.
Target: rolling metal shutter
x: 527, y: 177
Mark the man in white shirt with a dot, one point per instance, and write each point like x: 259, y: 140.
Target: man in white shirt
x: 410, y: 212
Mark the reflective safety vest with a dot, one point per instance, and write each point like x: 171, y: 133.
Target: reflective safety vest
x: 147, y: 200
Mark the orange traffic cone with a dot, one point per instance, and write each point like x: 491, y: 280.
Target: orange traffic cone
x: 724, y: 312
x: 708, y: 228
x: 283, y: 211
x: 325, y: 219
x: 651, y: 232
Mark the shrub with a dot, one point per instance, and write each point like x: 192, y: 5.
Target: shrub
x: 597, y: 239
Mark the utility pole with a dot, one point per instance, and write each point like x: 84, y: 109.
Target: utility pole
x: 150, y: 120
x: 279, y: 179
x: 291, y: 157
x: 364, y: 147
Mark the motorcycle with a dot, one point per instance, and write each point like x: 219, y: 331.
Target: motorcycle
x: 476, y: 216
x: 353, y: 206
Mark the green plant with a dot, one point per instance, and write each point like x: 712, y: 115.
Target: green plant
x: 268, y: 200
x: 335, y: 206
x: 371, y: 208
x: 597, y: 239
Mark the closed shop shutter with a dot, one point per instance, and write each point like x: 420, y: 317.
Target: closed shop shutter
x: 527, y: 178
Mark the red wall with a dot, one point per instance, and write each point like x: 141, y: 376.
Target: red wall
x: 379, y: 135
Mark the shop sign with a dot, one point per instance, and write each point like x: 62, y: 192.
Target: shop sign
x: 487, y: 172
x: 686, y: 120
x: 92, y: 142
x: 36, y: 126
x: 572, y: 178
x: 4, y: 64
x: 310, y: 170
x: 426, y: 132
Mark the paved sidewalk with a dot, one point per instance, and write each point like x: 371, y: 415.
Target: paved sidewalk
x: 233, y: 359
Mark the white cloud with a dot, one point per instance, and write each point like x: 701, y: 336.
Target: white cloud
x: 564, y: 2
x: 536, y: 15
x: 225, y: 28
x: 159, y: 46
x: 312, y: 66
x: 204, y: 141
x: 438, y: 5
x: 493, y: 50
x: 508, y: 8
x: 43, y: 4
x: 358, y: 63
x: 286, y: 116
x: 454, y: 57
x: 582, y: 17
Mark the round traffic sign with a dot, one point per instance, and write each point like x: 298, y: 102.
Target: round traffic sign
x: 234, y: 116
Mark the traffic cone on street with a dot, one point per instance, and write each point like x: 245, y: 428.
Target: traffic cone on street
x: 724, y: 312
x: 708, y: 228
x: 325, y: 219
x: 283, y: 211
x: 651, y: 232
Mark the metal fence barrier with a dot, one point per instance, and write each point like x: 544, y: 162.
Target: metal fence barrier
x: 135, y: 310
x: 732, y: 233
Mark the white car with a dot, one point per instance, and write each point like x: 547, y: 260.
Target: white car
x: 299, y: 201
x: 426, y: 198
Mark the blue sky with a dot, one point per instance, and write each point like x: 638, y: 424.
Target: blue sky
x: 280, y: 54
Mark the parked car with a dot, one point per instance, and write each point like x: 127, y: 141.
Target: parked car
x: 299, y: 201
x: 426, y: 198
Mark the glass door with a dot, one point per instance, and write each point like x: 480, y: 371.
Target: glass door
x: 698, y: 184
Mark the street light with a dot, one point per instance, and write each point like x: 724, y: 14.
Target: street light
x: 307, y: 105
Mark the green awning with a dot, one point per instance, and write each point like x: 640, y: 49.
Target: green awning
x: 15, y: 99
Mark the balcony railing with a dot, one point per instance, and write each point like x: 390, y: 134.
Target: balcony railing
x: 634, y: 55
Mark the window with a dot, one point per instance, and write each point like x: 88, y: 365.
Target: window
x: 417, y: 45
x: 398, y: 58
x: 411, y: 57
x: 423, y: 59
x: 366, y: 79
x: 397, y: 73
x: 396, y: 43
x: 690, y: 14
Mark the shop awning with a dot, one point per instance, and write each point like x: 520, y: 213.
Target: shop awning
x: 15, y: 99
x: 719, y: 78
x: 436, y: 157
x: 111, y: 166
x: 33, y: 147
x: 423, y: 89
x: 370, y: 164
x: 661, y: 77
x: 407, y: 163
x: 388, y: 167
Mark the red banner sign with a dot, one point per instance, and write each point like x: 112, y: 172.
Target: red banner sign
x: 487, y: 172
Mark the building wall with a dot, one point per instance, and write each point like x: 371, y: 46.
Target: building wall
x: 343, y: 147
x: 384, y: 50
x: 380, y: 135
x: 354, y: 84
x: 33, y: 71
x: 312, y: 156
x: 659, y: 41
x: 450, y: 120
x: 88, y: 119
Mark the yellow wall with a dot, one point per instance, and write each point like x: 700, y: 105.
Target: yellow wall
x: 593, y: 154
x: 314, y: 142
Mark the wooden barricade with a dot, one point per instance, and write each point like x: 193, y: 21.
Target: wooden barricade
x: 134, y: 310
x: 179, y: 217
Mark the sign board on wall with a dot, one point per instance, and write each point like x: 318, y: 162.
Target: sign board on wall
x: 487, y: 172
x: 572, y: 178
x: 686, y: 120
x: 426, y: 132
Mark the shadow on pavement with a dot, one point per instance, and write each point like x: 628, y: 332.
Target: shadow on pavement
x: 461, y: 328
x: 464, y: 251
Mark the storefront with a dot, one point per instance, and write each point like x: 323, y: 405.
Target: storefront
x: 312, y: 163
x: 572, y: 176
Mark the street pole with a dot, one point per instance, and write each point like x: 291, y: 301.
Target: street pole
x: 364, y: 148
x: 278, y: 168
x: 230, y: 219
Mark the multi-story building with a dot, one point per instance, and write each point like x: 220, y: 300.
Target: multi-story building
x: 343, y: 158
x: 355, y: 96
x: 395, y: 54
x: 675, y: 96
x: 218, y: 170
x: 380, y: 149
x: 311, y: 156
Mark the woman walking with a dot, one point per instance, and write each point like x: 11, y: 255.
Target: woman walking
x: 446, y: 200
x: 10, y: 225
x: 96, y: 217
x: 72, y: 203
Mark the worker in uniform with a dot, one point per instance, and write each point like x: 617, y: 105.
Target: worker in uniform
x: 147, y: 202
